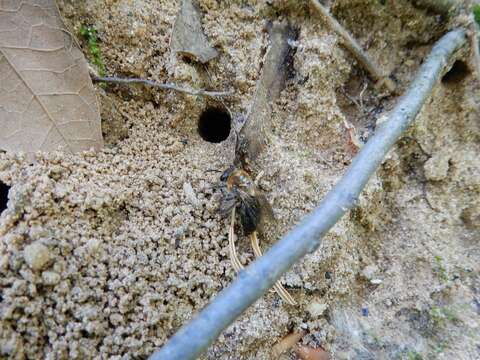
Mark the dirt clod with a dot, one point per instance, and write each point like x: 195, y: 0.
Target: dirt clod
x: 36, y: 255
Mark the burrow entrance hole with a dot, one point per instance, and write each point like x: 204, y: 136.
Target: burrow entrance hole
x: 457, y: 73
x: 214, y: 124
x: 3, y: 196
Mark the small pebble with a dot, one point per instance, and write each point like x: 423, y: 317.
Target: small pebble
x: 369, y: 271
x: 50, y: 278
x: 436, y: 168
x: 36, y: 255
x: 316, y: 309
x: 93, y: 245
x: 190, y: 194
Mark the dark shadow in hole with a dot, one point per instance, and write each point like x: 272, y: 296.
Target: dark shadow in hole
x: 457, y: 73
x: 214, y: 124
x: 3, y: 196
x: 187, y: 59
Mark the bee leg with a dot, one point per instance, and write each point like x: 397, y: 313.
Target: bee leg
x: 216, y: 186
x: 278, y: 286
x: 237, y: 265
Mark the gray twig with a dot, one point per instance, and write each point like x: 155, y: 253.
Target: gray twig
x: 118, y: 80
x: 354, y: 47
x: 257, y: 278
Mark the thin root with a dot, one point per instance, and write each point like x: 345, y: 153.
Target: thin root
x: 153, y: 83
x: 278, y: 286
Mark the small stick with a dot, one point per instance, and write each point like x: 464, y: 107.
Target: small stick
x: 153, y: 83
x: 360, y: 96
x: 281, y: 291
x: 354, y: 47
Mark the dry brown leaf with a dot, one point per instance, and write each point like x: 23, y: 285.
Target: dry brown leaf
x: 286, y: 343
x: 188, y: 38
x: 308, y: 353
x: 47, y: 100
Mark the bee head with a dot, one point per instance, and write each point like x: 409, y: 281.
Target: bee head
x: 240, y: 179
x: 226, y: 174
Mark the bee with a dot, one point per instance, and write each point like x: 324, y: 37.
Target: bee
x: 243, y: 195
x: 240, y: 194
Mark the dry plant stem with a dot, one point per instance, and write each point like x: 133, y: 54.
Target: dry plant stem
x: 252, y: 282
x: 237, y: 265
x: 153, y: 83
x: 281, y: 291
x: 354, y: 47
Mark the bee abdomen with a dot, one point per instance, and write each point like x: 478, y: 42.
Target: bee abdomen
x: 249, y: 214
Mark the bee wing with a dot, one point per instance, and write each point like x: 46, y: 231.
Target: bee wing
x: 249, y: 212
x: 227, y: 204
x: 265, y: 208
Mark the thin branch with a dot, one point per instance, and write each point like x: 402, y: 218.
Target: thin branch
x: 252, y: 282
x: 381, y: 77
x: 153, y: 83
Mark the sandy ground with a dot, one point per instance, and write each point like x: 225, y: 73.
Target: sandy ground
x: 105, y: 255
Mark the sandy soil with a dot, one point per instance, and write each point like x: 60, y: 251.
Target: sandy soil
x: 105, y: 255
